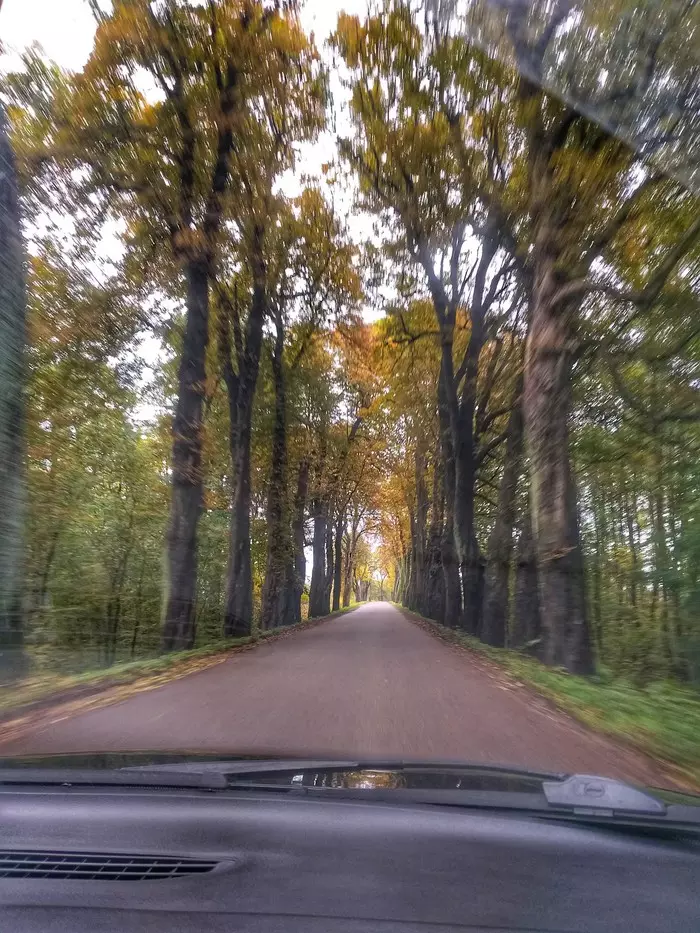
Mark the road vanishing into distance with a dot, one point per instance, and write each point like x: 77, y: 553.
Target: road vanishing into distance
x: 369, y: 683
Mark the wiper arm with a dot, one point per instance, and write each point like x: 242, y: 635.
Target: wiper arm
x: 65, y: 777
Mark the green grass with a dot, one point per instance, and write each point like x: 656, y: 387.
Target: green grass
x: 339, y: 612
x: 45, y: 684
x: 662, y: 720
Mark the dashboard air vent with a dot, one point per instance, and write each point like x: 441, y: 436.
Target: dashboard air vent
x: 90, y: 866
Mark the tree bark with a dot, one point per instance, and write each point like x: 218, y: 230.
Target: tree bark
x: 328, y: 580
x: 276, y: 602
x: 238, y: 613
x: 43, y: 588
x: 137, y: 614
x: 420, y: 570
x: 13, y: 324
x: 461, y: 411
x: 187, y: 498
x: 599, y: 525
x: 299, y: 570
x: 348, y: 558
x: 435, y: 580
x: 453, y: 592
x: 661, y: 564
x: 547, y: 407
x: 500, y: 547
x: 526, y: 630
x: 318, y: 570
x: 471, y: 563
x: 114, y: 601
x: 338, y: 565
x: 187, y: 482
x: 411, y: 584
x: 631, y: 517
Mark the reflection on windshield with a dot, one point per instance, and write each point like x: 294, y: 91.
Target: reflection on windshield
x: 368, y: 779
x: 631, y: 68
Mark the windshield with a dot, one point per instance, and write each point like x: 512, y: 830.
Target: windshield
x: 349, y: 382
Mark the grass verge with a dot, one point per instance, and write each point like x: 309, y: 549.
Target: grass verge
x: 46, y: 688
x: 662, y: 720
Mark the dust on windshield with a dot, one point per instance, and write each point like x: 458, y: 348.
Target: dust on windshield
x: 349, y: 359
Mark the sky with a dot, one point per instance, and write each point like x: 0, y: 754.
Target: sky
x: 65, y: 27
x: 65, y: 30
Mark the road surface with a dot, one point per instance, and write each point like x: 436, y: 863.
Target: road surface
x: 368, y: 683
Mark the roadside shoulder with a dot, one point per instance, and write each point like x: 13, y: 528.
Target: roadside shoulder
x: 33, y: 703
x: 661, y: 722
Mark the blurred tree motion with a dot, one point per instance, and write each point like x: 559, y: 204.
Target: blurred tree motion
x: 12, y: 469
x: 220, y: 438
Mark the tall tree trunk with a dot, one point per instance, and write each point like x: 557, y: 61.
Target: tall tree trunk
x: 13, y: 660
x: 41, y: 591
x: 238, y: 613
x: 631, y: 517
x: 397, y: 582
x: 137, y: 615
x: 621, y: 573
x: 500, y: 547
x: 318, y: 570
x: 674, y: 585
x: 187, y: 481
x: 435, y: 581
x: 328, y: 581
x: 661, y: 562
x: 453, y: 592
x: 411, y: 583
x: 654, y: 574
x: 420, y: 532
x: 526, y: 630
x: 338, y: 565
x: 114, y: 603
x: 547, y: 406
x: 471, y: 561
x: 276, y: 601
x: 598, y: 565
x: 299, y: 568
x: 347, y: 569
x: 464, y: 447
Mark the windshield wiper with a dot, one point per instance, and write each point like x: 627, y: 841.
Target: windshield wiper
x: 579, y: 798
x: 67, y: 777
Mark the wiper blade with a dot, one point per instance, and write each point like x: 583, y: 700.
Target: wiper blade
x: 272, y: 766
x: 65, y: 777
x: 235, y: 767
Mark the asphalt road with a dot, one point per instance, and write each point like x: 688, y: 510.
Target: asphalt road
x: 368, y: 683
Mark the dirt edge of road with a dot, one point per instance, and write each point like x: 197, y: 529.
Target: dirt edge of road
x: 71, y: 701
x: 673, y: 774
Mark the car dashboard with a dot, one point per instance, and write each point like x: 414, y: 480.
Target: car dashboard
x: 102, y: 859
